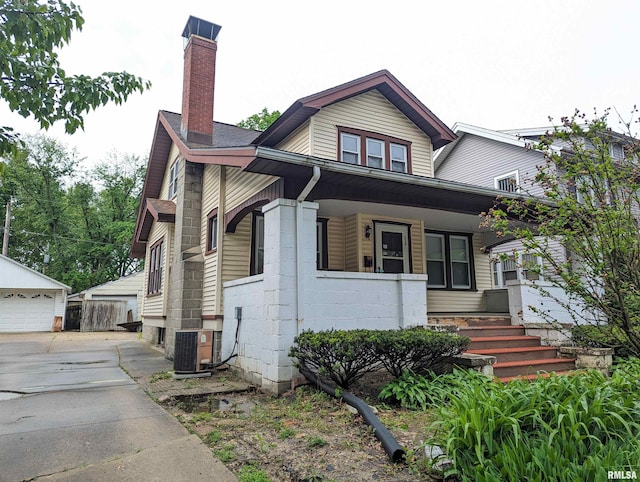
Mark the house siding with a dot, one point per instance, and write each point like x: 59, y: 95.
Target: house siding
x: 336, y: 243
x: 241, y: 185
x: 299, y: 141
x: 476, y: 160
x: 351, y: 243
x: 156, y: 305
x: 236, y: 253
x: 210, y: 201
x: 370, y: 112
x: 460, y: 301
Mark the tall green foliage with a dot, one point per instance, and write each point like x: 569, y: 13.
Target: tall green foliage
x: 32, y: 81
x: 260, y: 121
x: 83, y: 222
x: 592, y: 208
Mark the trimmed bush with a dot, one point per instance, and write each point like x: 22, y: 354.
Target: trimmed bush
x: 344, y: 356
x: 416, y: 349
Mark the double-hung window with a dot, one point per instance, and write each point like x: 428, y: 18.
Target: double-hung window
x: 154, y: 282
x: 375, y: 153
x: 212, y: 231
x: 518, y: 266
x: 399, y: 158
x: 449, y: 261
x: 173, y: 179
x: 350, y: 148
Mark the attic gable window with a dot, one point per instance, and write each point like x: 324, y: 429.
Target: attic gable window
x: 375, y: 150
x: 509, y: 182
x: 173, y: 179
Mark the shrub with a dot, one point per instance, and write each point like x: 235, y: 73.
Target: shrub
x: 601, y: 336
x: 556, y: 428
x: 416, y: 349
x: 344, y: 356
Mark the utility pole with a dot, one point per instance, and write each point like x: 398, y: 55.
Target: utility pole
x: 7, y: 225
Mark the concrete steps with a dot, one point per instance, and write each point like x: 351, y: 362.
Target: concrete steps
x: 517, y: 354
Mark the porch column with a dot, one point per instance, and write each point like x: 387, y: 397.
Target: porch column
x: 281, y: 282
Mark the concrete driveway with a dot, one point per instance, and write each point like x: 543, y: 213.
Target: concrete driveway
x: 69, y: 412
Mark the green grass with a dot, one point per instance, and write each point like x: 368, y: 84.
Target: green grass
x: 160, y: 376
x: 213, y: 437
x: 315, y: 442
x: 226, y: 454
x: 249, y: 473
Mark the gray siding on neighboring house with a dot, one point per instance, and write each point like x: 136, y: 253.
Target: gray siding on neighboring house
x: 476, y: 160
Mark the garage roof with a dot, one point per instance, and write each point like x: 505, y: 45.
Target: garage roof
x: 14, y: 275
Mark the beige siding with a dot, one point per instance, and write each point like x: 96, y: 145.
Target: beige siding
x: 173, y: 155
x: 155, y: 305
x: 298, y: 141
x: 241, y: 185
x: 210, y: 201
x: 371, y: 112
x: 237, y: 251
x: 336, y: 243
x: 351, y: 240
x: 460, y: 301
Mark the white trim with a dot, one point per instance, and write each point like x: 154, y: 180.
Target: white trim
x: 343, y: 150
x: 497, y: 179
x: 173, y: 181
x: 443, y: 260
x: 401, y: 229
x: 381, y: 156
x: 467, y: 262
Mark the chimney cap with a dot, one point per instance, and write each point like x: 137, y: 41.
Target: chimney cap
x: 201, y: 28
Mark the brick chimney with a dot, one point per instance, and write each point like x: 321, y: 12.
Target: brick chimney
x: 199, y: 80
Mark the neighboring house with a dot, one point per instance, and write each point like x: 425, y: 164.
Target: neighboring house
x: 128, y: 290
x: 29, y: 301
x: 331, y: 218
x: 506, y: 161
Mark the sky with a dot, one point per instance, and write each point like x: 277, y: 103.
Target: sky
x: 492, y: 63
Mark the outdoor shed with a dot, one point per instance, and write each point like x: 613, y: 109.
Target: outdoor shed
x: 29, y: 301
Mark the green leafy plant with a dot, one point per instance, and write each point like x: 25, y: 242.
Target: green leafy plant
x: 344, y: 356
x: 555, y: 428
x: 201, y: 417
x: 417, y: 349
x: 214, y: 437
x: 315, y: 442
x: 226, y: 454
x: 160, y: 376
x: 285, y: 433
x: 250, y: 473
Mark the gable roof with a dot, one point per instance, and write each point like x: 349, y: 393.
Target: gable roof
x: 127, y: 285
x: 461, y: 129
x: 383, y: 82
x: 15, y: 275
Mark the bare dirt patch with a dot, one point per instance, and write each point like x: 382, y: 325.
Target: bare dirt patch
x: 304, y: 435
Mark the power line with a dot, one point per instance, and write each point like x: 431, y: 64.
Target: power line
x: 57, y: 236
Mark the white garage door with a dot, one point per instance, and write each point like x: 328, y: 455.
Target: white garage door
x: 26, y: 311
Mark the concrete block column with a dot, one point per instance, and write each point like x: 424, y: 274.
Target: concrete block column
x: 281, y: 281
x: 185, y: 280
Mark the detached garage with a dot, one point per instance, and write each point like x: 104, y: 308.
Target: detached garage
x: 29, y: 301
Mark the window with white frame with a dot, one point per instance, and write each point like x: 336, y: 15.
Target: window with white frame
x: 507, y: 182
x: 519, y: 266
x: 375, y: 153
x: 173, y: 179
x: 398, y: 158
x: 449, y: 261
x: 350, y: 150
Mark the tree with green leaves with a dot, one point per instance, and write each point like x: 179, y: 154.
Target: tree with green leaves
x: 260, y: 121
x: 83, y: 222
x: 591, y: 179
x: 33, y: 82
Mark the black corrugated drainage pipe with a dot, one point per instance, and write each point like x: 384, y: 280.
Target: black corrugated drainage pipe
x: 389, y: 443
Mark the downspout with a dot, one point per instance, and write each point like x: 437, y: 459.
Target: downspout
x: 299, y: 232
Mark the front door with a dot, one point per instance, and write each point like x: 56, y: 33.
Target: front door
x: 392, y: 248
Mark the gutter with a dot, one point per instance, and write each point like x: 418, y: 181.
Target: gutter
x: 429, y: 182
x: 299, y: 247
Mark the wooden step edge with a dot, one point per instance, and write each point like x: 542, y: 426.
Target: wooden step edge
x: 499, y: 351
x: 503, y: 338
x: 527, y: 363
x: 496, y: 327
